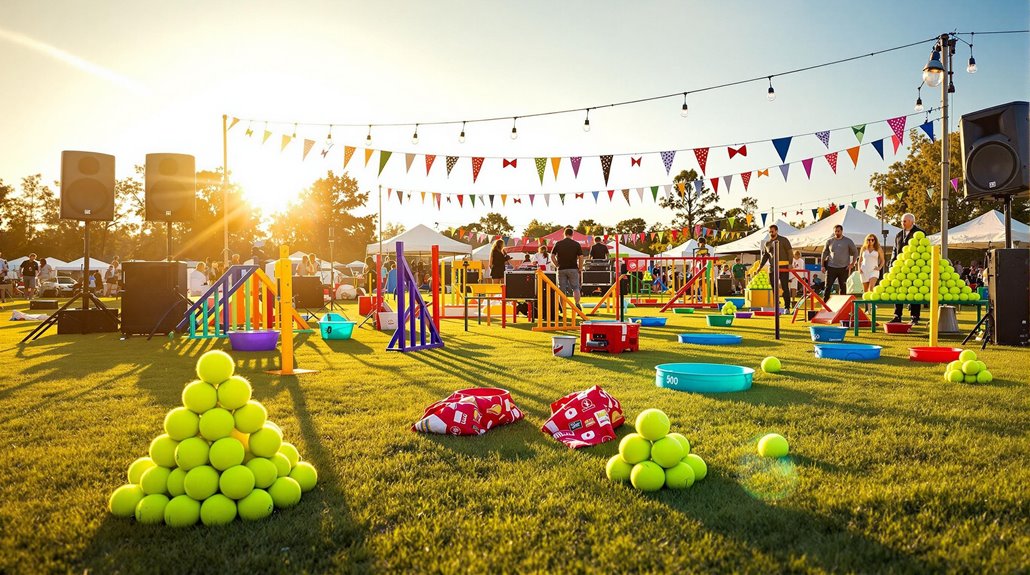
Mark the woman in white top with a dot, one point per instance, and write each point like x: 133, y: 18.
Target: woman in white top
x: 797, y: 264
x: 871, y: 261
x: 198, y: 280
x: 540, y: 258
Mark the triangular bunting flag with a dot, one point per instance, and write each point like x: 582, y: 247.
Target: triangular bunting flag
x: 266, y: 136
x: 531, y: 196
x: 547, y: 200
x: 400, y: 197
x: 575, y: 160
x: 491, y: 197
x: 473, y: 200
x: 764, y: 214
x: 477, y: 164
x: 408, y: 159
x: 461, y: 201
x: 749, y: 218
x: 667, y: 158
x: 702, y: 158
x: 853, y: 152
x: 897, y: 142
x: 954, y: 184
x: 611, y: 194
x: 879, y: 200
x: 782, y: 145
x: 715, y: 184
x: 727, y: 181
x: 595, y: 194
x: 867, y: 203
x: 898, y: 125
x: 654, y: 193
x: 928, y: 128
x: 436, y: 198
x: 286, y: 142
x: 821, y: 212
x: 815, y: 213
x: 878, y: 146
x: 430, y: 158
x: 451, y: 160
x: 807, y: 163
x: 746, y: 178
x: 784, y: 168
x: 625, y: 194
x: 606, y: 167
x: 667, y: 190
x: 308, y: 144
x: 682, y: 188
x: 635, y: 161
x: 504, y: 199
x: 235, y: 121
x: 540, y: 164
x: 384, y: 157
x: 348, y: 153
x: 733, y: 220
x: 854, y: 204
x: 824, y: 137
x: 640, y: 194
x: 859, y: 131
x: 423, y: 197
x: 555, y: 164
x: 831, y: 158
x: 562, y: 198
x: 368, y: 155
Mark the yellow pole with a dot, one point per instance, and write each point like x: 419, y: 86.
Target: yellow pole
x: 284, y: 309
x: 935, y: 280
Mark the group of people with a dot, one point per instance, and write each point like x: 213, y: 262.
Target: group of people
x: 34, y: 272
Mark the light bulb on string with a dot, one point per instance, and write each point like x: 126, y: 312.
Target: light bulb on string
x: 461, y: 136
x: 685, y: 110
x: 514, y: 130
x: 414, y: 136
x: 771, y: 95
x: 971, y: 67
x: 368, y: 138
x: 951, y: 83
x: 586, y: 122
x: 919, y: 98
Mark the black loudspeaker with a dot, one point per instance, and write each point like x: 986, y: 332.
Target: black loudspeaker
x: 87, y: 321
x: 151, y: 289
x: 87, y: 186
x: 1008, y: 283
x: 598, y: 278
x: 171, y: 187
x: 307, y: 292
x: 996, y: 150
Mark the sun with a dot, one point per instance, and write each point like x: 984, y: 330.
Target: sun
x: 265, y: 185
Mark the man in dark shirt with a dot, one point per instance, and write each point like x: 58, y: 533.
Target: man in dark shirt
x: 908, y: 229
x: 784, y: 256
x: 567, y: 256
x: 29, y: 268
x: 598, y: 251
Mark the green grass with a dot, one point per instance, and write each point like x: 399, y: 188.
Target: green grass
x: 891, y: 469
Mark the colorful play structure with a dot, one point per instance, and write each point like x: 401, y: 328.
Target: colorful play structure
x: 416, y: 323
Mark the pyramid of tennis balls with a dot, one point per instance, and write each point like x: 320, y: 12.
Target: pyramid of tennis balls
x: 653, y: 458
x: 729, y: 308
x: 909, y: 277
x: 760, y: 280
x: 219, y: 458
x: 967, y: 369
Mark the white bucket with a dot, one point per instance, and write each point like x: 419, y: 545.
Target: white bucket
x: 388, y: 320
x: 564, y: 345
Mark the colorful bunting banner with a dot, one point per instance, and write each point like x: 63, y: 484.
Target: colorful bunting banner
x: 308, y: 144
x: 831, y: 159
x: 477, y: 164
x: 555, y: 164
x: 667, y: 158
x: 575, y: 160
x: 408, y: 159
x: 928, y: 128
x: 859, y: 132
x: 807, y: 163
x: 782, y: 145
x: 824, y: 137
x: 430, y: 158
x: 878, y: 146
x: 451, y: 160
x: 541, y: 163
x: 746, y: 178
x: 853, y: 153
x: 368, y: 155
x: 702, y: 158
x: 384, y: 156
x: 898, y: 125
x: 606, y: 167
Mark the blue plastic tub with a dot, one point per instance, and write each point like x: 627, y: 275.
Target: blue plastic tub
x: 737, y: 301
x: 848, y: 351
x: 828, y: 333
x: 703, y: 377
x: 710, y: 338
x: 651, y: 321
x: 334, y: 326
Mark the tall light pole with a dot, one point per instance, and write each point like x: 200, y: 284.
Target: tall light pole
x: 937, y: 72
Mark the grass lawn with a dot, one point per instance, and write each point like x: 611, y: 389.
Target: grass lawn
x: 891, y: 469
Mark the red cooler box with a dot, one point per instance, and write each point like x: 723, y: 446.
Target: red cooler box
x: 366, y: 304
x: 610, y: 336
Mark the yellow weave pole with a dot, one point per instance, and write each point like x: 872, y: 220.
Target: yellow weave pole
x: 284, y: 314
x: 935, y: 296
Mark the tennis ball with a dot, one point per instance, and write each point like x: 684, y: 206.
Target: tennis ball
x: 617, y: 469
x: 683, y: 442
x: 967, y: 355
x: 151, y: 509
x: 124, y: 500
x: 191, y: 453
x: 971, y: 367
x: 201, y: 482
x: 679, y: 476
x: 969, y: 378
x: 225, y: 453
x: 291, y: 453
x: 285, y: 492
x: 984, y: 377
x: 265, y: 472
x: 215, y: 367
x: 217, y: 510
x: 234, y: 392
x: 181, y: 423
x: 653, y: 424
x: 667, y: 452
x: 955, y: 375
x: 266, y: 441
x: 182, y: 511
x: 162, y: 450
x: 697, y: 465
x: 216, y: 423
x: 771, y: 365
x: 981, y: 365
x: 236, y: 482
x: 176, y: 482
x: 305, y: 475
x: 647, y: 476
x: 773, y: 445
x: 273, y: 425
x: 255, y: 506
x: 243, y: 438
x: 634, y: 448
x: 282, y: 465
x: 250, y: 417
x: 199, y: 396
x: 136, y: 468
x: 155, y: 480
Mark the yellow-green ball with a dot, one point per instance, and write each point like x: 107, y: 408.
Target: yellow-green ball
x: 124, y: 500
x: 634, y: 448
x: 647, y: 476
x: 191, y: 453
x: 653, y: 424
x: 617, y: 469
x: 285, y: 492
x: 155, y: 480
x: 151, y: 509
x: 182, y: 511
x: 225, y: 453
x: 291, y: 453
x: 264, y: 471
x: 771, y: 365
x: 282, y: 465
x: 251, y: 417
x: 683, y: 442
x: 162, y: 450
x: 967, y: 355
x: 234, y: 392
x: 984, y: 377
x: 667, y: 452
x: 201, y: 482
x: 697, y: 465
x: 136, y: 468
x: 773, y: 445
x: 181, y: 423
x: 679, y: 476
x: 216, y: 423
x: 199, y: 396
x: 217, y: 510
x: 215, y: 367
x: 255, y: 506
x: 236, y: 482
x: 971, y: 367
x: 955, y: 375
x: 305, y: 475
x: 266, y: 441
x: 176, y: 485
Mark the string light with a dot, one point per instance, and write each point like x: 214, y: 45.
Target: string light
x: 514, y: 130
x: 414, y: 137
x: 772, y: 93
x: 951, y: 82
x: 685, y: 109
x: 933, y: 72
x: 971, y: 67
x: 461, y: 136
x: 919, y: 98
x: 368, y: 138
x: 586, y: 122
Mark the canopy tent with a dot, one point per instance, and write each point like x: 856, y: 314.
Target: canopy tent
x: 356, y: 264
x: 687, y: 249
x: 482, y: 253
x: 755, y: 241
x: 857, y: 225
x: 77, y: 265
x: 626, y: 251
x: 985, y: 231
x: 420, y: 239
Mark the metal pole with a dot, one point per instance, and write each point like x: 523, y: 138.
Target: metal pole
x: 85, y: 272
x: 380, y: 219
x: 946, y: 44
x: 225, y: 193
x: 1008, y: 221
x: 776, y: 286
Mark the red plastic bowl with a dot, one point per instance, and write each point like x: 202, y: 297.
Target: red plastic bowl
x: 934, y: 354
x: 891, y: 327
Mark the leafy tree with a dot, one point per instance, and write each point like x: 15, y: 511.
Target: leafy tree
x: 691, y: 209
x: 735, y: 219
x: 595, y: 228
x: 327, y: 203
x: 494, y: 224
x: 630, y: 226
x: 536, y: 229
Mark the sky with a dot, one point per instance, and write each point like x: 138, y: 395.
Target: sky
x: 135, y: 77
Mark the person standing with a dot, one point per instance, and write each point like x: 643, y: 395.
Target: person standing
x: 871, y: 261
x: 796, y: 264
x: 498, y: 259
x: 29, y: 269
x: 4, y: 268
x: 908, y: 228
x: 111, y: 279
x: 567, y: 256
x: 598, y: 251
x: 540, y: 257
x: 739, y: 270
x: 785, y: 250
x: 839, y: 258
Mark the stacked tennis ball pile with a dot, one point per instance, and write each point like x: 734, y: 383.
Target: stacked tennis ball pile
x: 909, y: 277
x: 968, y: 369
x: 652, y: 457
x: 219, y: 458
x: 760, y: 280
x: 729, y: 308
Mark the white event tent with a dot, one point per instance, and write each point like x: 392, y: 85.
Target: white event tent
x: 755, y: 241
x: 686, y: 250
x: 985, y: 231
x: 857, y: 225
x: 420, y: 240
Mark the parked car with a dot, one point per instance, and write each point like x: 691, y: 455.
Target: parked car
x: 63, y: 286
